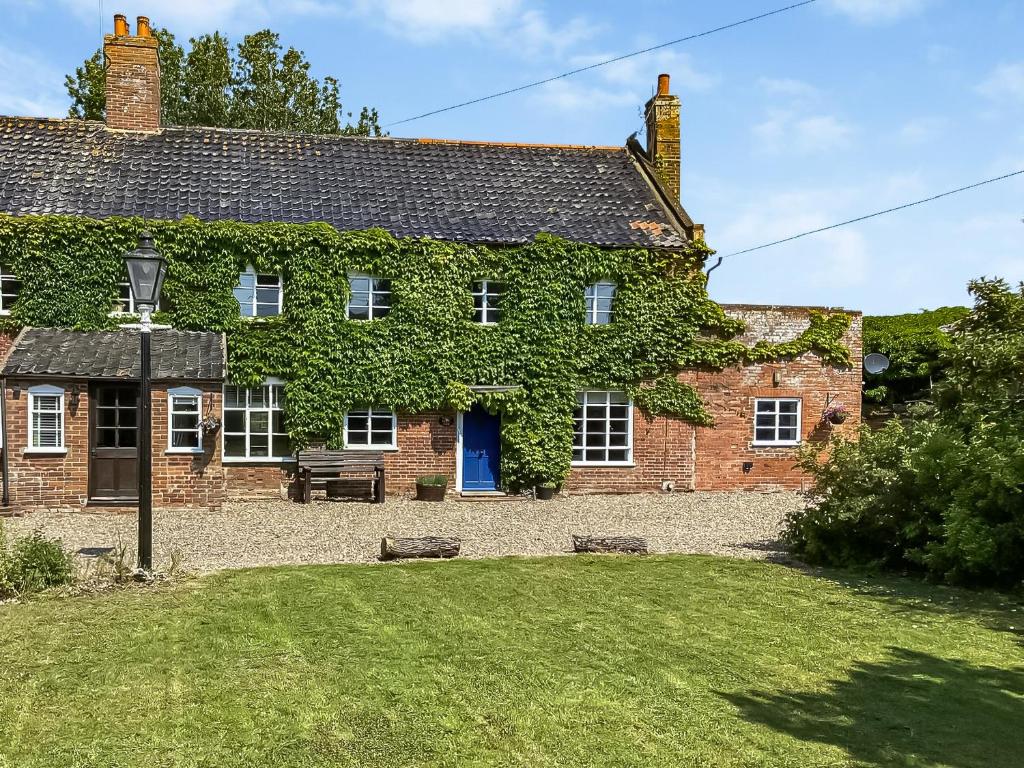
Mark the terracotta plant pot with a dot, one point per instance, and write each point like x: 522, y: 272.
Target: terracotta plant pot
x: 430, y: 492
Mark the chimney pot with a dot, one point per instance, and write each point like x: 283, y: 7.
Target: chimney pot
x: 142, y: 28
x: 663, y: 84
x: 120, y: 25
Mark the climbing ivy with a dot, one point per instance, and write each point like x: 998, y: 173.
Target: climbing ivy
x: 427, y: 353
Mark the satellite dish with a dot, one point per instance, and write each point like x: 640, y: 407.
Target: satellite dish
x: 875, y: 363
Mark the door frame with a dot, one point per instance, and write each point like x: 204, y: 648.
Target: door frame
x: 459, y: 434
x: 93, y: 389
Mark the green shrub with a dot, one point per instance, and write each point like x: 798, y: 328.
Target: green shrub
x: 33, y: 563
x: 944, y: 494
x: 914, y: 344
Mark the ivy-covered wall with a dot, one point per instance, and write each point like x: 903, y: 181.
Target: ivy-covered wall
x: 427, y: 353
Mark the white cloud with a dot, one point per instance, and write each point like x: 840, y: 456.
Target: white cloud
x: 30, y: 87
x: 1004, y: 82
x: 877, y: 11
x: 795, y: 89
x: 629, y: 82
x: 786, y: 131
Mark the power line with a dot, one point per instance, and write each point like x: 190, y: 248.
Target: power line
x: 589, y: 67
x: 877, y: 213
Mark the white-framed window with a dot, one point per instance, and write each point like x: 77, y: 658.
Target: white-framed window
x: 10, y: 288
x: 776, y: 421
x: 184, y: 414
x: 487, y: 301
x: 254, y: 428
x: 259, y: 295
x: 599, y: 297
x: 125, y: 299
x: 602, y: 429
x: 371, y: 428
x: 46, y: 419
x: 369, y: 297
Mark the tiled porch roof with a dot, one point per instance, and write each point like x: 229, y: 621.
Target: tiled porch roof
x: 61, y: 353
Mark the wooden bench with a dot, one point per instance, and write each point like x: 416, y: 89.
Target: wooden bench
x: 319, y: 467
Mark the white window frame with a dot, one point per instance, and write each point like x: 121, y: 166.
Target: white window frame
x: 273, y: 406
x: 777, y: 442
x: 255, y: 303
x: 369, y: 445
x: 184, y: 393
x: 119, y: 312
x: 46, y: 390
x: 604, y: 394
x: 590, y: 298
x: 6, y: 273
x: 371, y: 294
x: 490, y: 293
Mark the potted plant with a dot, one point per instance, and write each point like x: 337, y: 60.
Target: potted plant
x: 431, y: 487
x: 545, y: 491
x: 835, y: 414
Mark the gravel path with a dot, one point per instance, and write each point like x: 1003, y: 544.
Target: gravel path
x: 248, y: 534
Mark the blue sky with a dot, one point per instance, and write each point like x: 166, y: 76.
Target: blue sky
x: 810, y: 117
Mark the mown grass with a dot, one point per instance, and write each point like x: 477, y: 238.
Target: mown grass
x: 666, y: 661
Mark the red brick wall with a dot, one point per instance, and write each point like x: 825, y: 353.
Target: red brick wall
x: 730, y: 394
x: 664, y: 448
x: 133, y: 83
x: 662, y: 451
x: 50, y: 480
x: 426, y: 447
x: 61, y: 480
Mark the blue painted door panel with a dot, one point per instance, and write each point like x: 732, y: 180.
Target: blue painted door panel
x: 481, y: 450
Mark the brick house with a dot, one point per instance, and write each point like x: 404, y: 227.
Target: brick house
x: 69, y: 397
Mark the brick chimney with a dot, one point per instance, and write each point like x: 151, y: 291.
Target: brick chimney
x: 133, y: 77
x: 663, y: 144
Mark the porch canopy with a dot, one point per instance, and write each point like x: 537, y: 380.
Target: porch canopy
x: 50, y: 353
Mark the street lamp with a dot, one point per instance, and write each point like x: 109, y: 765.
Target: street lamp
x: 146, y: 270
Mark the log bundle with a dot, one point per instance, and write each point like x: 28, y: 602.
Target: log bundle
x: 426, y: 546
x: 626, y: 544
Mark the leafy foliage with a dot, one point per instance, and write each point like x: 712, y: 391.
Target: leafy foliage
x: 31, y: 564
x: 427, y: 353
x: 944, y: 494
x: 913, y: 343
x: 256, y: 87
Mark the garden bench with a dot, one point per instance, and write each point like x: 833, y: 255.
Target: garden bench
x: 319, y: 468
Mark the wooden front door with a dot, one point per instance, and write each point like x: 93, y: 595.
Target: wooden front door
x: 113, y: 442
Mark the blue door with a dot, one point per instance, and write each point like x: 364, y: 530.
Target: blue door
x: 481, y: 450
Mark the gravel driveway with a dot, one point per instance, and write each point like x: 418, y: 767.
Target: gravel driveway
x: 272, y: 533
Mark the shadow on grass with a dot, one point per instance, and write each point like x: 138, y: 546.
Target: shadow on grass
x: 912, y: 595
x: 912, y: 709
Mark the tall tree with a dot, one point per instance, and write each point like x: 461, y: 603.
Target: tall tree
x: 261, y: 85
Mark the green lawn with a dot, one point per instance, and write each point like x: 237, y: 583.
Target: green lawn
x: 662, y: 661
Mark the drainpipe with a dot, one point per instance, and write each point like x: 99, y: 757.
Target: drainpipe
x: 6, y: 501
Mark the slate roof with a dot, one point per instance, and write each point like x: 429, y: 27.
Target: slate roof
x: 457, y: 191
x: 176, y: 355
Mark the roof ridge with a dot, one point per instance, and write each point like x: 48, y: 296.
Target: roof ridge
x: 73, y: 121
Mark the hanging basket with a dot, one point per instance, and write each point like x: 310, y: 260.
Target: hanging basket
x: 836, y: 417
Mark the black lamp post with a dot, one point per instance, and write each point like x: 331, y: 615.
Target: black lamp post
x: 146, y: 270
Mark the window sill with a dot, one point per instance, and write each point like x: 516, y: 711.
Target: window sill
x: 381, y: 448
x: 258, y: 459
x: 183, y: 452
x: 615, y: 464
x: 787, y: 444
x: 46, y: 451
